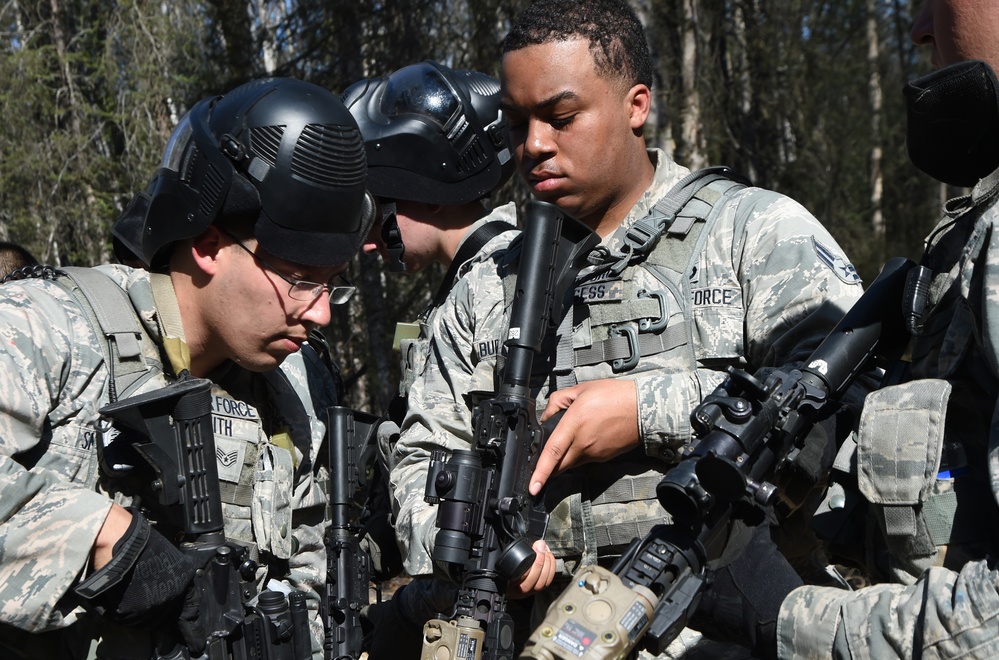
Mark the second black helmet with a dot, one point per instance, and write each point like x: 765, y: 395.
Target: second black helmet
x: 432, y: 134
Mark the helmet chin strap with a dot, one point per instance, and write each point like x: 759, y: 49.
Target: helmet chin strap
x: 392, y: 238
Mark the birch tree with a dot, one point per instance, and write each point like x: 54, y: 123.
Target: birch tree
x: 876, y: 106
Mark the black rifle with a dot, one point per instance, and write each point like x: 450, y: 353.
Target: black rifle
x: 350, y: 435
x: 747, y: 433
x: 486, y: 516
x: 171, y: 430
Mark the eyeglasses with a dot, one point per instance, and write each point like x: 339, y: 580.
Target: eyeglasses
x: 301, y: 289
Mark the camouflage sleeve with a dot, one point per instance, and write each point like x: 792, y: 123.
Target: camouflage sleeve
x: 439, y: 416
x: 944, y: 614
x: 797, y: 279
x: 307, y: 564
x: 50, y: 513
x: 795, y: 284
x: 665, y: 402
x: 315, y: 385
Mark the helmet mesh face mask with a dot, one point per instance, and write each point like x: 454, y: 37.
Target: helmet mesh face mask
x: 280, y: 153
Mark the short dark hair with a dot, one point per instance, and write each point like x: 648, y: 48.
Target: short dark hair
x: 14, y: 257
x: 616, y: 36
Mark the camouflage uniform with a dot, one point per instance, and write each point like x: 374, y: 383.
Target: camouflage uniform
x: 927, y: 464
x: 421, y: 599
x: 54, y: 500
x: 414, y: 351
x: 765, y: 288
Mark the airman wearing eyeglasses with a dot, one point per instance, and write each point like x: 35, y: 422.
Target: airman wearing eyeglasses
x: 244, y: 233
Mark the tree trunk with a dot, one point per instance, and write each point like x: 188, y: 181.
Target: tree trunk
x: 60, y: 44
x: 742, y: 73
x: 266, y: 28
x: 378, y: 384
x: 691, y: 137
x: 238, y: 35
x: 875, y: 100
x: 657, y: 124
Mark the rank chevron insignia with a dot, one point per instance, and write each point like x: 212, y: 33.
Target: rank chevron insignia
x: 226, y: 458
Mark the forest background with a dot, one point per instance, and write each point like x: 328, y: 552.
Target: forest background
x: 802, y: 96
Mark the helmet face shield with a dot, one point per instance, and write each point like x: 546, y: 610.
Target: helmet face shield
x: 177, y: 144
x: 279, y: 151
x: 420, y: 91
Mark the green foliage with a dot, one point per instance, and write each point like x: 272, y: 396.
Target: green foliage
x: 93, y: 89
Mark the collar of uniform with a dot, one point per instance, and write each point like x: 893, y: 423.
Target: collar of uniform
x: 506, y: 213
x: 667, y: 174
x: 986, y: 188
x: 168, y: 312
x: 616, y: 249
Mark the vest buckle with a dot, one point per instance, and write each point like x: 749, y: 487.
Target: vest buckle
x: 628, y: 363
x: 643, y: 236
x: 654, y: 325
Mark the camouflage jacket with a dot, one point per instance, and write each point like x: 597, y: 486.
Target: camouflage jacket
x: 413, y: 352
x: 53, y: 499
x: 927, y: 463
x: 767, y: 284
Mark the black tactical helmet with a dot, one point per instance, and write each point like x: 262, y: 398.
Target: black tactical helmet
x: 281, y: 151
x: 432, y: 134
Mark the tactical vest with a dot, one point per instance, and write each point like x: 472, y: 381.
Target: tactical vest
x: 256, y: 476
x: 914, y: 490
x: 617, y: 327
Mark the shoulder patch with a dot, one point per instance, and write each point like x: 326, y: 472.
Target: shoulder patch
x: 843, y: 269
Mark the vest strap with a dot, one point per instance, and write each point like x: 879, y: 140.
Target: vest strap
x: 238, y: 494
x: 639, y: 308
x: 642, y: 487
x: 631, y: 346
x: 112, y: 314
x: 681, y: 214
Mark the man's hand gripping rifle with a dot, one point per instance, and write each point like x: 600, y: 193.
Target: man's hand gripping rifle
x: 348, y: 567
x: 486, y: 516
x: 171, y: 430
x: 747, y: 432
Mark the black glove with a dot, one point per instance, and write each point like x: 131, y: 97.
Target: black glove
x: 393, y: 629
x: 190, y: 624
x: 147, y: 581
x: 742, y: 599
x: 388, y: 633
